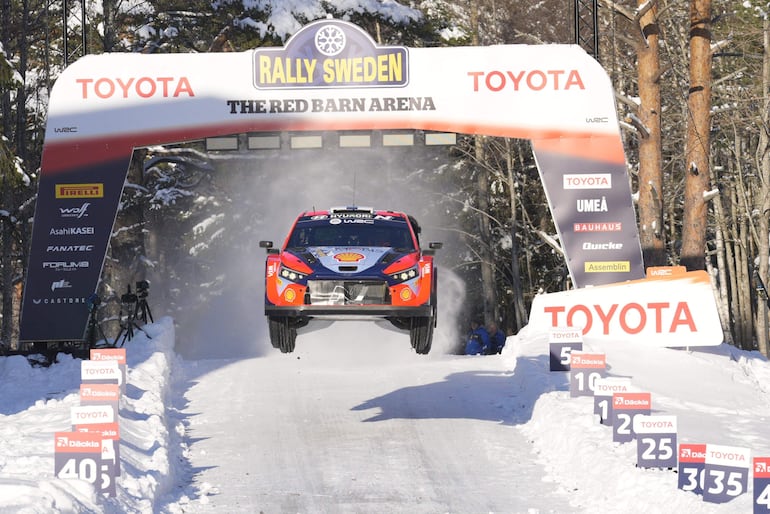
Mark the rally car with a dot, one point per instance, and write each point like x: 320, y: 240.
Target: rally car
x: 351, y: 263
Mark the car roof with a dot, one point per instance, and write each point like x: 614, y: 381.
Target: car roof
x: 352, y: 209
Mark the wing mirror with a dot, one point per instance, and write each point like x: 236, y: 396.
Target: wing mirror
x: 432, y: 247
x: 268, y: 245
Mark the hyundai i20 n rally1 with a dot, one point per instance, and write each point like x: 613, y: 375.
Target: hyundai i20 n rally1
x: 351, y: 263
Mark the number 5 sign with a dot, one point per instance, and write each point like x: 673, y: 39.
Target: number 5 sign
x: 562, y: 342
x: 726, y: 474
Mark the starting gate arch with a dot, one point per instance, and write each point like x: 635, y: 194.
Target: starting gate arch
x: 329, y: 76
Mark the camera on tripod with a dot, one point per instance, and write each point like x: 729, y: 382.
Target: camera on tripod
x: 142, y: 289
x: 93, y: 302
x: 129, y: 297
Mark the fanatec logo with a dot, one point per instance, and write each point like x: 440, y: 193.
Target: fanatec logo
x: 70, y: 248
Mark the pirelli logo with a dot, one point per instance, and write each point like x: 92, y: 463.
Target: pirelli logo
x: 79, y: 190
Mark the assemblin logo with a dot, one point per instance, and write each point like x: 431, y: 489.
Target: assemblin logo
x: 331, y: 53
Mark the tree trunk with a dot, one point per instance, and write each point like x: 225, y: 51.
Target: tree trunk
x: 485, y: 236
x: 482, y: 197
x: 763, y: 242
x: 6, y: 185
x: 650, y: 170
x: 698, y: 126
x: 6, y: 244
x: 519, y: 308
x: 110, y: 11
x: 721, y: 270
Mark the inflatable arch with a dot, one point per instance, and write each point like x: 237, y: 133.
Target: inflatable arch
x: 329, y: 76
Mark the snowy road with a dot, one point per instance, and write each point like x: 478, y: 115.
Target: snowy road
x: 360, y: 424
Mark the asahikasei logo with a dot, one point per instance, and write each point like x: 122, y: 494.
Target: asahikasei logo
x: 329, y: 54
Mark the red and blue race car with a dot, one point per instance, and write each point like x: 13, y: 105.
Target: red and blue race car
x: 351, y: 263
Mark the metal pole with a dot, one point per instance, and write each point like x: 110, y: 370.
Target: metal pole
x: 65, y: 32
x: 83, y: 26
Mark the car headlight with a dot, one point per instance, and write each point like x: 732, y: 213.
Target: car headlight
x: 291, y: 274
x: 407, y: 274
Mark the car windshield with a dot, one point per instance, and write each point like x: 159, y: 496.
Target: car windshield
x: 336, y: 232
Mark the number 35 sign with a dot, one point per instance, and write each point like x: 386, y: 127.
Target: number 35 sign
x: 726, y: 473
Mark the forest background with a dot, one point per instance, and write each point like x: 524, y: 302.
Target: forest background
x: 692, y: 84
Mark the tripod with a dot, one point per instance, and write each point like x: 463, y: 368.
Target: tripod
x: 142, y: 309
x: 127, y: 318
x: 94, y: 332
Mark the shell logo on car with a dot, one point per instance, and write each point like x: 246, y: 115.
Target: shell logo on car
x: 348, y: 257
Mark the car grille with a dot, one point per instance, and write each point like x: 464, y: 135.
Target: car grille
x: 348, y: 292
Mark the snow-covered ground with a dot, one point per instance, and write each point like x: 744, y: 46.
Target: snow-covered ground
x: 354, y: 421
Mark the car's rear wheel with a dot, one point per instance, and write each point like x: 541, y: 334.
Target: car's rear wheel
x: 421, y: 334
x: 282, y: 335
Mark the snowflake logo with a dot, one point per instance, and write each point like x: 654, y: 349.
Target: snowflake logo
x: 330, y: 40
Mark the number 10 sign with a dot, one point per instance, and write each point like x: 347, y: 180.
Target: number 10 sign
x: 585, y: 369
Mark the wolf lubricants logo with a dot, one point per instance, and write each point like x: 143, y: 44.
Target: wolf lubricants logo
x: 329, y: 54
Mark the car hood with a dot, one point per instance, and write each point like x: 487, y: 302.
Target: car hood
x: 349, y: 259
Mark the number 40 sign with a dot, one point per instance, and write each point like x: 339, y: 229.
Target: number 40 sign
x: 761, y: 484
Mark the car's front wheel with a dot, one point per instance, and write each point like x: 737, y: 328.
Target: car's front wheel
x: 282, y: 335
x: 421, y: 334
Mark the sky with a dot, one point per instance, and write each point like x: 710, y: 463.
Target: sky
x: 355, y: 421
